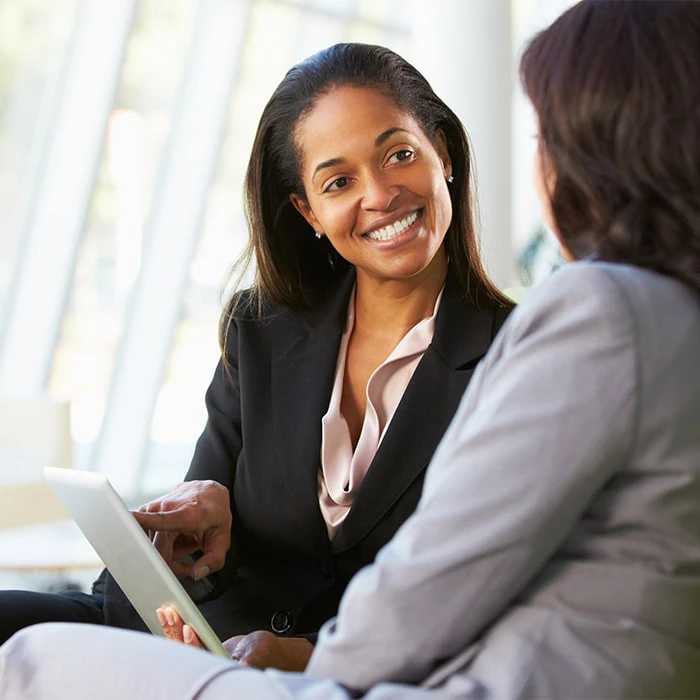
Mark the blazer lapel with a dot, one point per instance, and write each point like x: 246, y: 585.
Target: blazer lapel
x: 304, y: 356
x: 462, y: 337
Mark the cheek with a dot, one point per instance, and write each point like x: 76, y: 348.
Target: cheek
x: 335, y: 219
x: 443, y: 207
x: 543, y: 186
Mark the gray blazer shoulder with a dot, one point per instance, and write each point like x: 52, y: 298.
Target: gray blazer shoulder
x: 556, y: 547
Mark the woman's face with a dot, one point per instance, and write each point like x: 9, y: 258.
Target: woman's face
x: 375, y: 184
x: 544, y: 183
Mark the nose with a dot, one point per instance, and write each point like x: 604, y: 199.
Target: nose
x: 378, y: 193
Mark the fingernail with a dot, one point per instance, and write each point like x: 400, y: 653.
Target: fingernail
x: 201, y: 573
x: 170, y: 616
x: 161, y: 617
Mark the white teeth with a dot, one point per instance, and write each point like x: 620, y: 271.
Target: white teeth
x: 392, y: 230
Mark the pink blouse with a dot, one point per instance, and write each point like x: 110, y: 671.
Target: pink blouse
x: 342, y: 470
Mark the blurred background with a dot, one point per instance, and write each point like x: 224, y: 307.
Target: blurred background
x: 125, y: 128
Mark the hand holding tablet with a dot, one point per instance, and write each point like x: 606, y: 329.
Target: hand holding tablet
x: 127, y: 552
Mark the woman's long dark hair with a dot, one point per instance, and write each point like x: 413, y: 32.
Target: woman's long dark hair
x: 292, y: 267
x: 616, y: 90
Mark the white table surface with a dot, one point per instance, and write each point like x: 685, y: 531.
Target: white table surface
x: 55, y: 546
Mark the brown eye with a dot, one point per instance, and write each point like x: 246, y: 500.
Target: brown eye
x: 400, y: 156
x: 337, y: 184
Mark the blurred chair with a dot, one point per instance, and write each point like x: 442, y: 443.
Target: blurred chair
x: 36, y: 533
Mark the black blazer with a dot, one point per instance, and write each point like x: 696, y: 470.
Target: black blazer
x: 262, y: 440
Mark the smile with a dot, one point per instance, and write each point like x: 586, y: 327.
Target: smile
x: 386, y: 233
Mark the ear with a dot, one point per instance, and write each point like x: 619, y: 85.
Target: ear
x: 302, y: 206
x: 443, y: 152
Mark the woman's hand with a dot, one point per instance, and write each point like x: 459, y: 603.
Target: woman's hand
x: 176, y: 630
x: 266, y: 650
x: 194, y: 516
x: 257, y: 649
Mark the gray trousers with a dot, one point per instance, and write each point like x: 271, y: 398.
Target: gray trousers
x: 83, y: 662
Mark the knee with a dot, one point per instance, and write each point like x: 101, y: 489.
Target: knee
x: 38, y: 641
x: 24, y: 657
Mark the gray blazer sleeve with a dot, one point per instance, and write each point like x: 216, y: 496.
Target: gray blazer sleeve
x: 549, y: 417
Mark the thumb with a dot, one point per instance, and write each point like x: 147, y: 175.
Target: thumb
x: 214, y: 547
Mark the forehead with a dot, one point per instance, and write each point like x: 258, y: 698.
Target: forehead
x: 348, y: 119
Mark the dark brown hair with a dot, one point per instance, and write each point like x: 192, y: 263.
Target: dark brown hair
x: 293, y: 268
x: 615, y: 87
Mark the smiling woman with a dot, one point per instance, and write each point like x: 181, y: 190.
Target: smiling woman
x: 382, y: 201
x: 341, y: 367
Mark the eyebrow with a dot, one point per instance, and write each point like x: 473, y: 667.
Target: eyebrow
x: 339, y: 161
x: 386, y: 134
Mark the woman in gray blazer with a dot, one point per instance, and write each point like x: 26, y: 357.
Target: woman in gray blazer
x: 555, y: 551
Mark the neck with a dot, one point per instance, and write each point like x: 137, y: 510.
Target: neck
x: 392, y: 307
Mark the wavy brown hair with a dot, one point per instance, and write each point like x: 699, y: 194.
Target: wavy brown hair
x: 615, y: 87
x: 293, y: 268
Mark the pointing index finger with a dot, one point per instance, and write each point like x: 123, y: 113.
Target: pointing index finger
x: 165, y: 521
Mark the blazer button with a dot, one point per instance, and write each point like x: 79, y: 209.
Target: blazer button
x: 281, y: 622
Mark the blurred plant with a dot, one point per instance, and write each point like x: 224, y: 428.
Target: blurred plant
x: 540, y: 256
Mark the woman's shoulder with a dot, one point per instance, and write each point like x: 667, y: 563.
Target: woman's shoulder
x: 609, y: 287
x: 252, y: 306
x: 607, y: 300
x: 578, y: 298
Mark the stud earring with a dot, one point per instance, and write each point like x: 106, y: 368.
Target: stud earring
x: 450, y: 179
x: 319, y: 234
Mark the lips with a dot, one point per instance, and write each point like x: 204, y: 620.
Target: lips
x: 390, y: 231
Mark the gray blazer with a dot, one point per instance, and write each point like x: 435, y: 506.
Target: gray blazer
x: 555, y: 551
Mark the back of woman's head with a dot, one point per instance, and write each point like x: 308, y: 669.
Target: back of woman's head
x: 295, y: 269
x: 615, y: 87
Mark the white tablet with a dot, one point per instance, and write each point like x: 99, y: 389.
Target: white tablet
x: 127, y: 552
